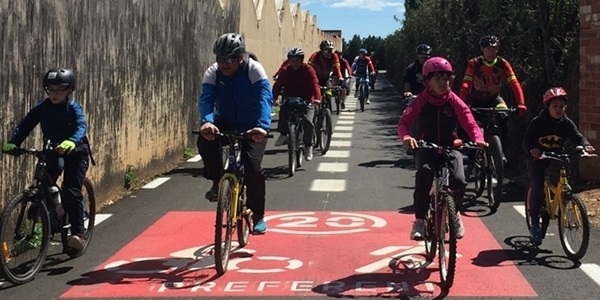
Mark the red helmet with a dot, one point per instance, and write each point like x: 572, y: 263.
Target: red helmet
x: 553, y: 93
x: 436, y: 64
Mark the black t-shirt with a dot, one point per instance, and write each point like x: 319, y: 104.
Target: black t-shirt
x: 414, y: 76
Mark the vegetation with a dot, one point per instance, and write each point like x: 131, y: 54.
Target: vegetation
x: 131, y: 177
x: 188, y: 153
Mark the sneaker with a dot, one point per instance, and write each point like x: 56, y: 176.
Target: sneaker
x: 356, y: 94
x: 535, y: 234
x: 77, y: 242
x: 213, y: 193
x: 260, y: 226
x: 343, y: 105
x: 460, y: 231
x: 418, y: 230
x: 368, y: 102
x: 281, y: 140
x: 308, y: 154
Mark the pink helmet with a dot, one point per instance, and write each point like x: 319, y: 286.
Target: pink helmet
x: 553, y: 93
x: 436, y: 64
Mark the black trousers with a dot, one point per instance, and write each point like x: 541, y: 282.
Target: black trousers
x: 252, y: 156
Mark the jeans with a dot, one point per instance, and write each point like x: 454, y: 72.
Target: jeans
x: 307, y: 122
x: 252, y: 156
x: 536, y: 170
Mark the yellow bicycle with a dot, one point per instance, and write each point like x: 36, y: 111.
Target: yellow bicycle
x: 560, y: 202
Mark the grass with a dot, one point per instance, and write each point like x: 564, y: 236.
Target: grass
x: 131, y: 177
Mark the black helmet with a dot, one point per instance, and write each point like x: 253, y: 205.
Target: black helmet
x: 489, y: 40
x: 424, y: 49
x: 64, y: 77
x: 296, y: 52
x: 325, y: 44
x: 229, y: 44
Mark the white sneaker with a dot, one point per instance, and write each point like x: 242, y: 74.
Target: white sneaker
x: 418, y: 230
x: 281, y: 140
x: 308, y: 154
x: 460, y: 231
x: 368, y: 102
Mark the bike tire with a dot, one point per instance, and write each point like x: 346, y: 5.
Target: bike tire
x: 544, y: 215
x: 26, y: 213
x: 498, y: 167
x: 361, y: 96
x: 89, y: 204
x: 479, y: 172
x: 223, y: 225
x: 337, y: 102
x: 244, y: 219
x: 317, y: 131
x: 292, y: 147
x: 300, y: 146
x: 574, y: 207
x: 430, y: 239
x: 447, y: 259
x: 326, y: 131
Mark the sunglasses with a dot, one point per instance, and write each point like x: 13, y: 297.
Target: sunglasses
x: 57, y: 91
x: 226, y: 60
x: 328, y: 50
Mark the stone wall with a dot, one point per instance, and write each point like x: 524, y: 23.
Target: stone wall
x: 589, y: 82
x: 139, y: 65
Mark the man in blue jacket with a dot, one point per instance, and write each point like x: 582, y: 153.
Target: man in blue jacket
x: 236, y: 95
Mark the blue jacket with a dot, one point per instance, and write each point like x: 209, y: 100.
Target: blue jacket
x: 243, y: 100
x: 59, y: 122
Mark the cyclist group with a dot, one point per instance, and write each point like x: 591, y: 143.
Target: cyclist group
x: 438, y: 110
x: 236, y: 95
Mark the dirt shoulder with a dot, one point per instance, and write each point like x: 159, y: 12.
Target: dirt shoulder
x: 591, y: 198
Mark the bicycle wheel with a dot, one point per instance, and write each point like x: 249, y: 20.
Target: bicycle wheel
x: 317, y: 121
x: 447, y: 253
x: 326, y: 131
x: 479, y: 172
x: 292, y: 146
x: 544, y: 216
x: 223, y: 225
x: 300, y: 146
x: 497, y: 167
x: 89, y: 219
x: 337, y: 102
x: 574, y: 227
x: 243, y: 221
x: 430, y: 237
x: 361, y: 96
x: 24, y: 239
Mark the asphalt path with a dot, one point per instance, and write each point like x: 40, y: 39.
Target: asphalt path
x: 364, y: 183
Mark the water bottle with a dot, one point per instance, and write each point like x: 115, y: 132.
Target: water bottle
x: 55, y: 197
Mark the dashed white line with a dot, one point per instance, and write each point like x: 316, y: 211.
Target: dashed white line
x: 343, y: 128
x: 328, y: 185
x: 345, y: 122
x: 338, y: 153
x: 196, y: 158
x: 101, y: 218
x: 340, y: 143
x: 520, y: 209
x: 342, y: 117
x: 156, y: 182
x: 342, y: 135
x: 593, y: 271
x: 332, y: 167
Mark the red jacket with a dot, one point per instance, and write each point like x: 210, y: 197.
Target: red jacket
x: 298, y: 83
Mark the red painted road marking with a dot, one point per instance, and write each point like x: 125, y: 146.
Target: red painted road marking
x: 303, y: 254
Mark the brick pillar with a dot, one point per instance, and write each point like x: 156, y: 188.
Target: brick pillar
x: 589, y: 87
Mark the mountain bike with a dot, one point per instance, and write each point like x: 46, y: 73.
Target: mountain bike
x: 488, y: 164
x: 295, y: 132
x: 232, y: 212
x: 361, y: 89
x: 562, y: 204
x: 29, y: 223
x: 323, y: 121
x: 442, y: 218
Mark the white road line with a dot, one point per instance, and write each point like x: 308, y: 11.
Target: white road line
x: 342, y: 135
x: 593, y: 271
x: 341, y: 143
x: 520, y: 209
x: 156, y: 182
x: 342, y: 117
x: 343, y: 128
x: 332, y: 167
x: 345, y: 122
x: 101, y: 218
x: 328, y: 185
x: 195, y: 158
x: 347, y: 113
x: 337, y: 153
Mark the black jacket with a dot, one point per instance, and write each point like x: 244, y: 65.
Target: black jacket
x: 548, y: 134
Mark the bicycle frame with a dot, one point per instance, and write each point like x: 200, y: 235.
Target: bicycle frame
x: 233, y: 171
x: 556, y: 204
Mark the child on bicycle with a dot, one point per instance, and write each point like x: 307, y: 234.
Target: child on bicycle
x: 63, y: 123
x: 437, y: 110
x: 547, y: 132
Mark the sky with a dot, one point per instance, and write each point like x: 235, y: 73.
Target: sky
x: 361, y: 17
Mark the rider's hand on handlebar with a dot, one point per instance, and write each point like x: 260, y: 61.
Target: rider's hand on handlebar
x: 481, y: 144
x: 208, y: 131
x: 536, y: 153
x: 521, y: 110
x: 9, y: 147
x: 257, y: 134
x: 65, y: 147
x: 407, y: 94
x: 589, y: 149
x: 409, y: 142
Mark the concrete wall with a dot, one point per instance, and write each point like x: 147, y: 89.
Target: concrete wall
x: 589, y: 78
x: 139, y: 65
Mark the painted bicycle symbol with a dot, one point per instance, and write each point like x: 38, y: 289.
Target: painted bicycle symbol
x: 336, y: 223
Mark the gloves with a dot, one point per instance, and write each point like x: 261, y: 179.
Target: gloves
x: 521, y: 110
x: 8, y: 147
x: 66, y: 146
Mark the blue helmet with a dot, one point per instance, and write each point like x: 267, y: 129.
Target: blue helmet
x: 362, y: 51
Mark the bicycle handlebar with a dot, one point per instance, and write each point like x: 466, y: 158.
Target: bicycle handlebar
x: 494, y: 109
x: 421, y: 144
x: 565, y: 157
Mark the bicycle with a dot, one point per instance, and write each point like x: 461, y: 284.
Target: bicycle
x: 323, y: 122
x: 442, y: 218
x: 232, y: 211
x: 295, y: 132
x: 488, y: 163
x: 361, y: 89
x: 562, y: 204
x: 29, y: 223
